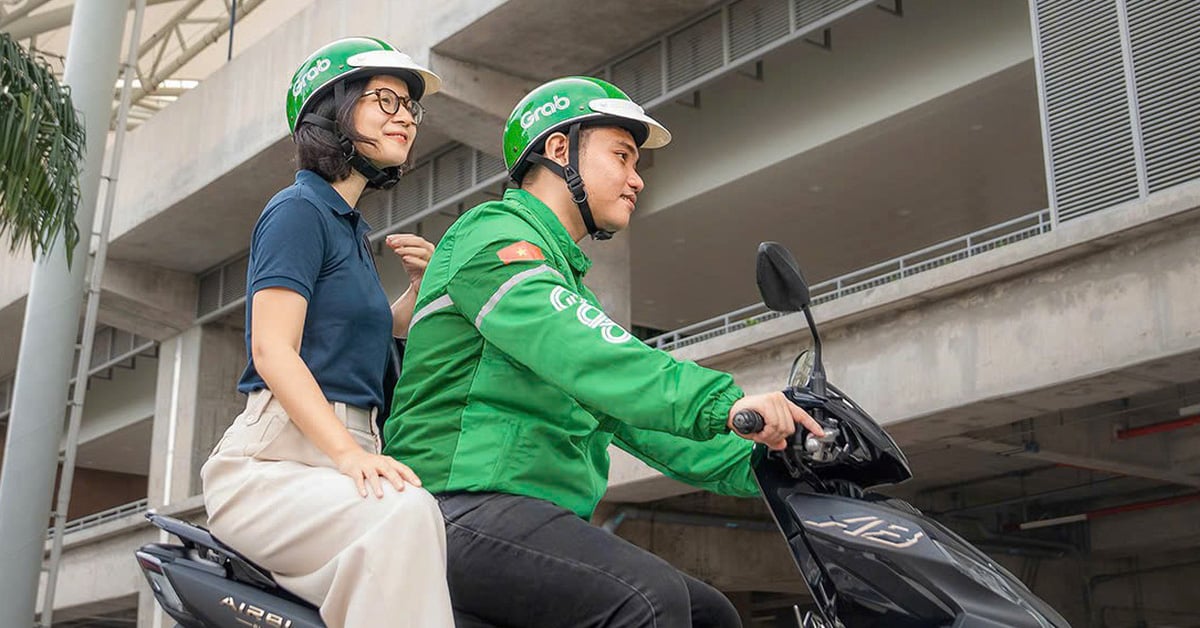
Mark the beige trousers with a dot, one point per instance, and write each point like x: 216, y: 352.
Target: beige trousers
x: 276, y: 498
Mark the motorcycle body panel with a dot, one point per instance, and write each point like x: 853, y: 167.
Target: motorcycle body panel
x: 209, y: 585
x: 869, y: 564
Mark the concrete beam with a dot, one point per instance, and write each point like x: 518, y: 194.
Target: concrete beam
x: 1083, y: 461
x: 151, y: 302
x: 1129, y: 533
x: 474, y: 102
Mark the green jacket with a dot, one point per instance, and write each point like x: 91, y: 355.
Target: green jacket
x: 515, y: 380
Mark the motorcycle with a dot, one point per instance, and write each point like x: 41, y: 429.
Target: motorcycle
x: 868, y: 560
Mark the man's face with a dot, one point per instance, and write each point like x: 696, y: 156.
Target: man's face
x: 608, y: 165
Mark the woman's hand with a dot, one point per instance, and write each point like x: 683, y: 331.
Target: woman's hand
x: 366, y: 468
x: 780, y: 417
x: 414, y: 252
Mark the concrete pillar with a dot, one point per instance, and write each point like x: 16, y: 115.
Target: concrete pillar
x: 196, y: 400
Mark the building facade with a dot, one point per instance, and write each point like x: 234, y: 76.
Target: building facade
x: 998, y: 203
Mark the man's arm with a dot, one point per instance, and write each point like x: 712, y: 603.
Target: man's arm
x: 528, y: 310
x: 720, y: 465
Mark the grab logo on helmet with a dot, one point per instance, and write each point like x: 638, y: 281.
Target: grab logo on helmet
x: 589, y: 315
x: 302, y: 81
x: 549, y: 108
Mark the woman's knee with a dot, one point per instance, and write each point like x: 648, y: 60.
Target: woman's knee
x: 413, y: 507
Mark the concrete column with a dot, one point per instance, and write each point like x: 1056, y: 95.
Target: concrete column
x: 196, y: 400
x: 51, y: 321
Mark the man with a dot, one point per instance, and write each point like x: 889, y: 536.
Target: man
x: 516, y: 382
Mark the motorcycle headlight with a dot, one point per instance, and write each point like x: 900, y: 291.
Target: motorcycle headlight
x: 990, y: 577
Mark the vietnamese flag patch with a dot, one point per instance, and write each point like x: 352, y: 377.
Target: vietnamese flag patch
x: 520, y: 252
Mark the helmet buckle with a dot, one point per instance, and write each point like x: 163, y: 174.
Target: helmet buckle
x: 575, y: 184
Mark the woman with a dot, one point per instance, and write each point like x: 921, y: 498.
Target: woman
x: 297, y: 483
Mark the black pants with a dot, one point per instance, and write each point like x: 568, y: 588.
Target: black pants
x: 519, y: 562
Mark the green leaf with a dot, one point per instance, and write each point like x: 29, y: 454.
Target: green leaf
x: 41, y: 149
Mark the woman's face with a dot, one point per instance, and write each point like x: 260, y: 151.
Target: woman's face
x: 392, y: 134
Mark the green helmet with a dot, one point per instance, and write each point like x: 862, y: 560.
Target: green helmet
x: 558, y: 104
x: 349, y: 58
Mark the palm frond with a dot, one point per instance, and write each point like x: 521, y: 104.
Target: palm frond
x: 41, y: 148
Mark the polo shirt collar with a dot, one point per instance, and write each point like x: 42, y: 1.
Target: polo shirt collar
x: 324, y: 192
x: 575, y: 256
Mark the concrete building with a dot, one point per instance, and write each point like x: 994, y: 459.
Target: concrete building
x: 997, y: 200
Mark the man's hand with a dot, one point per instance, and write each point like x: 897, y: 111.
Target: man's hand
x: 366, y: 468
x: 780, y: 417
x: 414, y: 252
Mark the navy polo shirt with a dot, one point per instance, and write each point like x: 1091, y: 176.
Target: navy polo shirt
x: 310, y: 241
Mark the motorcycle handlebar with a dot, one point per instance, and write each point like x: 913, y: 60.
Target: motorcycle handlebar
x: 748, y: 422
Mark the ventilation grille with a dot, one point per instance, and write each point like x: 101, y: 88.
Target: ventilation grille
x: 694, y: 51
x: 812, y: 14
x: 411, y: 195
x: 375, y: 208
x: 222, y: 287
x: 1165, y: 42
x: 720, y: 41
x: 754, y: 24
x: 488, y: 166
x: 641, y: 75
x: 1086, y: 109
x: 452, y: 170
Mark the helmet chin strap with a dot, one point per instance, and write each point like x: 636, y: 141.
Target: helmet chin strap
x: 570, y: 174
x: 382, y: 178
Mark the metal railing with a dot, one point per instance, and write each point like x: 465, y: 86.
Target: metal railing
x: 913, y: 263
x: 104, y: 516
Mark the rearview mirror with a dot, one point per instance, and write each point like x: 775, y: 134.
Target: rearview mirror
x: 780, y: 282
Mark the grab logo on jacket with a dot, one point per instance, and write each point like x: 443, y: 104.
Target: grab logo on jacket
x: 589, y: 315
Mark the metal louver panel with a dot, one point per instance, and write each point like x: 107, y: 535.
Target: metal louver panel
x: 411, y: 194
x: 640, y: 75
x: 222, y: 286
x: 488, y: 166
x: 1086, y: 110
x: 695, y: 51
x: 809, y: 12
x: 233, y: 286
x: 756, y: 23
x: 209, y: 297
x: 452, y: 173
x: 375, y: 207
x: 1165, y: 44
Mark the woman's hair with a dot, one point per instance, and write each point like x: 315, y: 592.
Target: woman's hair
x: 317, y: 149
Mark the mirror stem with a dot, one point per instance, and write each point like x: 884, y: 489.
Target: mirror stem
x: 817, y: 379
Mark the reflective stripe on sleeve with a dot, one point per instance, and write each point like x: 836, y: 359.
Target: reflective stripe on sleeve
x: 509, y: 285
x: 439, y: 303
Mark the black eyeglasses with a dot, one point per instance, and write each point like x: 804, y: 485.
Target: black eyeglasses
x: 390, y: 103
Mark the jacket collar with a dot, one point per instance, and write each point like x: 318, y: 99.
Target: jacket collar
x: 575, y: 256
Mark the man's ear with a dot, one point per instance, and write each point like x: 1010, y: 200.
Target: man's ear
x: 557, y: 147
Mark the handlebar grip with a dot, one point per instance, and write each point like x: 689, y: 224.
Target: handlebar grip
x: 748, y: 422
